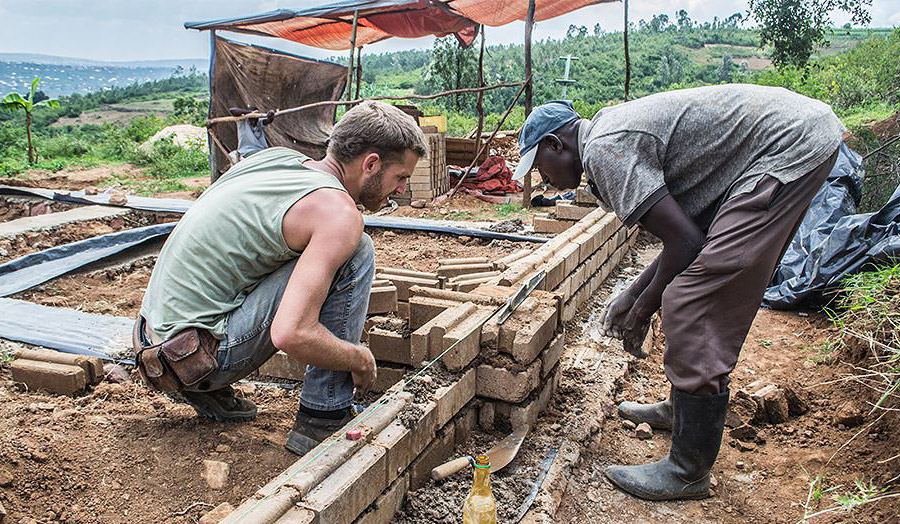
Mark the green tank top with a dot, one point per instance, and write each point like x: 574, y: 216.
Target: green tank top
x: 227, y: 242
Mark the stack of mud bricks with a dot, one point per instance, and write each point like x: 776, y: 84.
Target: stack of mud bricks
x: 54, y: 372
x: 566, y: 213
x: 500, y: 376
x: 389, y: 330
x: 429, y: 178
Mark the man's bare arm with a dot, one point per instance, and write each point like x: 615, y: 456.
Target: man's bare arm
x: 326, y: 227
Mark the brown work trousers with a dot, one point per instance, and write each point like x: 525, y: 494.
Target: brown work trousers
x: 708, y: 308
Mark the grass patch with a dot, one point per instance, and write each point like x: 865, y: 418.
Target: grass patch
x: 869, y: 323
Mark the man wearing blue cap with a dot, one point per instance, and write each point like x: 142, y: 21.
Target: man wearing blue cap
x: 723, y: 175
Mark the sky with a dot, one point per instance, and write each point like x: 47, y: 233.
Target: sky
x: 118, y: 30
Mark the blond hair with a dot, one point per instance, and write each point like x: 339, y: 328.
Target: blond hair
x: 376, y: 127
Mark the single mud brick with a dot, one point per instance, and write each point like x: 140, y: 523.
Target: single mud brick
x: 465, y: 338
x: 387, y: 504
x: 283, y: 366
x: 584, y: 196
x: 92, y: 366
x: 435, y: 454
x: 570, y: 252
x: 404, y: 272
x: 468, y: 285
x: 550, y: 355
x: 556, y: 272
x: 456, y: 261
x: 403, y: 283
x: 429, y: 337
x: 388, y: 376
x: 61, y: 379
x: 545, y: 224
x: 505, y: 262
x: 507, y: 385
x: 390, y: 346
x: 423, y: 309
x: 534, y: 331
x: 527, y: 412
x: 450, y: 399
x: 382, y: 300
x: 456, y: 270
x: 567, y: 211
x: 355, y: 484
x: 294, y: 515
x: 403, y: 442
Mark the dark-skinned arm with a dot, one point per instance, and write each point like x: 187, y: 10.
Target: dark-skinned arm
x: 629, y: 316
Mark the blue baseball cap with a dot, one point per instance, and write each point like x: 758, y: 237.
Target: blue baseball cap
x: 542, y: 121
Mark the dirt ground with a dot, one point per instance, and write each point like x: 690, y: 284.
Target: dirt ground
x: 118, y: 453
x: 769, y: 483
x: 122, y: 453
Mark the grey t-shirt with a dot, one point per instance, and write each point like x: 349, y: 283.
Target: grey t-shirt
x: 702, y: 146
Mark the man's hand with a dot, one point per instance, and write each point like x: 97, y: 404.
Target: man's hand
x: 616, y: 312
x: 365, y: 371
x: 622, y: 321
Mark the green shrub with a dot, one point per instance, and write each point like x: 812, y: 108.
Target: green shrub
x: 64, y: 146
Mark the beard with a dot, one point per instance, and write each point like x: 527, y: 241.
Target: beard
x: 370, y: 195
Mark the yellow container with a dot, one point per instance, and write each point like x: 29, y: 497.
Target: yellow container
x: 438, y: 121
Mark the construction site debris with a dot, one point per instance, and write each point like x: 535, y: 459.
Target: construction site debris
x: 216, y: 473
x: 643, y: 431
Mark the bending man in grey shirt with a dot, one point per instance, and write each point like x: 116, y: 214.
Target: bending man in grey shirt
x: 723, y: 175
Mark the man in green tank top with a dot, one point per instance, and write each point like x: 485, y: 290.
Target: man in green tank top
x: 273, y: 256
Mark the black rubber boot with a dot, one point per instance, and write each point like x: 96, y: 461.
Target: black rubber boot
x: 696, y: 437
x: 309, y: 431
x: 221, y: 405
x: 658, y: 415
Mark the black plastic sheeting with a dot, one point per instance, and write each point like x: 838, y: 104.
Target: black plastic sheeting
x: 36, y: 268
x: 67, y: 330
x: 834, y: 241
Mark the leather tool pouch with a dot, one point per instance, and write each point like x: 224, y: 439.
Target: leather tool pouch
x: 182, y: 361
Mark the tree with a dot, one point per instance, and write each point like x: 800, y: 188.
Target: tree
x: 794, y: 28
x: 453, y: 67
x: 14, y: 102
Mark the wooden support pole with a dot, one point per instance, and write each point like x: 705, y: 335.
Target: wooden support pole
x: 352, y: 51
x: 627, y: 56
x: 479, y: 103
x: 358, y: 69
x: 529, y: 89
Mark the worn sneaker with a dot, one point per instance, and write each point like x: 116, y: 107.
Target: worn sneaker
x: 309, y: 431
x: 221, y: 405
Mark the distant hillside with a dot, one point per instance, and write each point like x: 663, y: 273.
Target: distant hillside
x: 64, y: 75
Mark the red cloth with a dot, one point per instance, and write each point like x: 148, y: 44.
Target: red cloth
x: 494, y: 176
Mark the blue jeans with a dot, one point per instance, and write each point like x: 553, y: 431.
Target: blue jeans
x: 248, y: 342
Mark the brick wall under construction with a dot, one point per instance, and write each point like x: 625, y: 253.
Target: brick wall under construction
x: 495, y: 374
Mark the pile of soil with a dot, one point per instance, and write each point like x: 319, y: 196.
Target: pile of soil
x: 122, y: 453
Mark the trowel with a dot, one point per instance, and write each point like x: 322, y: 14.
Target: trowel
x: 500, y: 455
